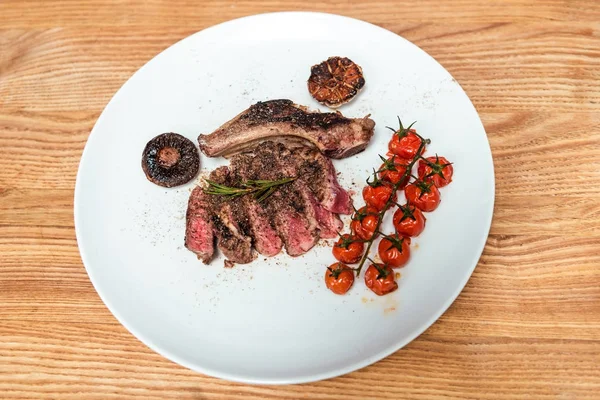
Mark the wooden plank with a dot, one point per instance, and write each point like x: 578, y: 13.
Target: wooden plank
x: 50, y: 360
x: 552, y: 67
x: 156, y: 13
x: 524, y: 286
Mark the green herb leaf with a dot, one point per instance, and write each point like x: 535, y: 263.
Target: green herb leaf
x: 260, y: 189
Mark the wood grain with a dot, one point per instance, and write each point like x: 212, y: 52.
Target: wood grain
x: 552, y: 66
x: 54, y: 13
x: 432, y: 367
x: 527, y: 324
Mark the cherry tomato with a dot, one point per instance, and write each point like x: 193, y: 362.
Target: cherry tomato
x: 405, y: 143
x: 380, y: 279
x: 364, y: 222
x: 424, y: 195
x: 409, y: 220
x: 394, y: 250
x: 393, y: 169
x: 339, y: 278
x: 348, y: 249
x: 436, y: 169
x: 377, y: 194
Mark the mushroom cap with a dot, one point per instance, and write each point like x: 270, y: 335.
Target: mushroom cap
x: 170, y: 159
x: 335, y: 81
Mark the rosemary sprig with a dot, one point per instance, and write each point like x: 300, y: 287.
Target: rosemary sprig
x: 260, y: 188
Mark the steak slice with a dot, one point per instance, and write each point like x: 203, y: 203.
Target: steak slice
x: 199, y: 237
x: 232, y: 243
x: 260, y: 227
x: 295, y: 216
x: 332, y: 133
x: 231, y: 239
x: 266, y: 238
x: 287, y: 162
x: 329, y: 224
x: 286, y: 206
x: 322, y: 180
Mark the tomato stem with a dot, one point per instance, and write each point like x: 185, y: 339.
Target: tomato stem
x: 390, y: 201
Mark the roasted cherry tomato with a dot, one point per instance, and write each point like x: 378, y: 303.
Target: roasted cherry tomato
x: 364, y: 222
x: 339, y: 278
x: 348, y: 249
x: 424, y: 195
x: 394, y: 250
x: 409, y: 220
x: 436, y: 169
x: 380, y: 279
x: 377, y: 193
x: 405, y: 143
x: 393, y: 169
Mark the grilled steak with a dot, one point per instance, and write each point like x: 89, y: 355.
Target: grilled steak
x: 293, y: 221
x: 333, y: 134
x: 225, y: 216
x: 199, y: 237
x: 295, y: 163
x: 295, y: 216
x: 231, y: 241
x: 261, y: 227
x: 321, y: 177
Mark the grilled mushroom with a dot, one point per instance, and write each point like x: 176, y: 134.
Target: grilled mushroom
x: 170, y: 160
x: 336, y: 81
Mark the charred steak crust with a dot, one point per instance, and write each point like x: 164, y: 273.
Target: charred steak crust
x: 286, y: 111
x: 332, y: 133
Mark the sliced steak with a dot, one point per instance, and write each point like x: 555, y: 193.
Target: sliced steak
x: 329, y: 223
x: 266, y: 238
x: 322, y: 180
x: 286, y: 206
x: 286, y: 161
x: 232, y: 243
x: 332, y: 133
x: 231, y: 238
x: 296, y: 164
x: 295, y: 216
x: 260, y: 227
x: 199, y: 237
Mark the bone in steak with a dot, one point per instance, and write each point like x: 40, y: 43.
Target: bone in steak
x: 333, y: 134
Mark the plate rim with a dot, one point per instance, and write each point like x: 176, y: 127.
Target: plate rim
x: 240, y: 378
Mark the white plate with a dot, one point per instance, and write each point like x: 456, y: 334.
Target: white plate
x: 273, y: 321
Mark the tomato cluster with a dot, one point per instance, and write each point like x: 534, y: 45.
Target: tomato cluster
x: 406, y: 148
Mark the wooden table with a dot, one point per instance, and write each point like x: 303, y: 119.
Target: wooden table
x: 526, y: 326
